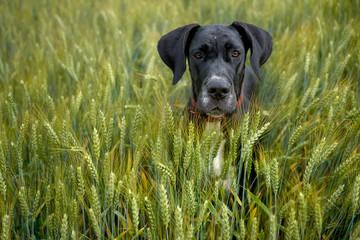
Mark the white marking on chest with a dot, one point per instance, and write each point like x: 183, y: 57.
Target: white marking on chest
x: 219, y: 159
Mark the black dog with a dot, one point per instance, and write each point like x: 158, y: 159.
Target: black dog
x: 221, y: 83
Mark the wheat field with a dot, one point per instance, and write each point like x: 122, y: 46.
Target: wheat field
x: 93, y: 143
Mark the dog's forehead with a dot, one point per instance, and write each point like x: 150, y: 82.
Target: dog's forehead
x: 215, y: 33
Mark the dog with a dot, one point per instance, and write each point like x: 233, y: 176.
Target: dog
x: 222, y: 85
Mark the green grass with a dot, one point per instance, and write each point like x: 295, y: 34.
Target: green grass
x: 93, y: 145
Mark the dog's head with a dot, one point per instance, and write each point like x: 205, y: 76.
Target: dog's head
x: 216, y: 56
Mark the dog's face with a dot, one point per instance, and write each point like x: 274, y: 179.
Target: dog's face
x: 216, y: 55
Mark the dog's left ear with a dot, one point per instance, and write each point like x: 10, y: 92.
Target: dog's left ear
x: 172, y: 49
x: 258, y: 40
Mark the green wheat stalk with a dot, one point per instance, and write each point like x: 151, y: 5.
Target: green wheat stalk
x: 5, y: 227
x: 122, y: 136
x: 109, y: 134
x: 64, y: 228
x: 73, y: 235
x: 135, y: 211
x: 138, y: 121
x: 24, y: 207
x: 166, y: 171
x: 226, y: 224
x: 91, y: 167
x: 274, y: 175
x: 96, y: 144
x: 24, y: 204
x: 347, y: 163
x: 164, y: 202
x: 189, y: 147
x: 51, y: 107
x: 355, y: 195
x: 189, y: 232
x: 170, y: 121
x: 333, y: 198
x: 266, y: 171
x: 74, y: 212
x: 110, y: 188
x: 242, y: 229
x: 198, y: 168
x: 3, y: 166
x: 179, y: 229
x: 254, y: 229
x: 35, y: 206
x: 190, y: 203
x: 295, y: 135
x: 151, y: 216
x: 72, y: 175
x: 54, y: 139
x: 303, y: 213
x: 201, y: 215
x: 320, y: 153
x: 285, y: 208
x: 272, y: 228
x: 318, y: 218
x: 94, y: 223
x: 80, y: 183
x: 3, y: 187
x: 93, y: 113
x: 34, y: 141
x: 177, y: 148
x: 95, y: 202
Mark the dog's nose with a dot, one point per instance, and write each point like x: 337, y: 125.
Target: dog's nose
x: 218, y: 89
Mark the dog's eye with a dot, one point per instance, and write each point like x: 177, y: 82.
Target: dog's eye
x: 198, y: 55
x: 235, y: 53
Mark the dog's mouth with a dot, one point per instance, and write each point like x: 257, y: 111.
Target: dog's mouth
x: 215, y: 112
x: 214, y: 107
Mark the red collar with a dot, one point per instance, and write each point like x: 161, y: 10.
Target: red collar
x: 192, y: 110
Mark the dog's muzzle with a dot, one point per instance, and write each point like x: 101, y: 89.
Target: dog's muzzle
x: 217, y: 97
x: 218, y: 89
x: 215, y: 101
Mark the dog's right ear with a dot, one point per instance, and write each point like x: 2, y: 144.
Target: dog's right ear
x: 172, y: 49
